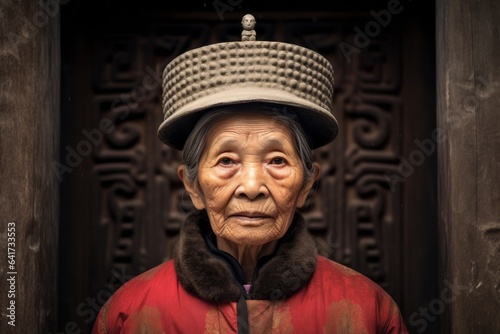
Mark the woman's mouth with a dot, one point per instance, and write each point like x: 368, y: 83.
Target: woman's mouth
x: 251, y: 215
x: 250, y: 218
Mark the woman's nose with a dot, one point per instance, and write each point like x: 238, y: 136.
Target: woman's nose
x: 252, y: 183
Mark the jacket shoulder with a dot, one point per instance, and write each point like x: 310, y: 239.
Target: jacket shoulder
x: 140, y: 294
x: 139, y: 286
x: 351, y: 293
x: 339, y: 275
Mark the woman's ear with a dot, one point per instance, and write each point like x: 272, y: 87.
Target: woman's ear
x: 308, y: 186
x: 191, y: 188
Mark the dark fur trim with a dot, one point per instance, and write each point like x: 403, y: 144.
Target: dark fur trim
x: 206, y: 276
x: 291, y: 267
x: 198, y: 270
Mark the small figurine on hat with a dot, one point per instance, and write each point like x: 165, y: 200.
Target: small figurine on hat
x: 248, y: 24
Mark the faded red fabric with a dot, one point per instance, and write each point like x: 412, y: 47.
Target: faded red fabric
x: 336, y: 300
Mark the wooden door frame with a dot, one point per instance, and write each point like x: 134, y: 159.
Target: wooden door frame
x: 467, y: 237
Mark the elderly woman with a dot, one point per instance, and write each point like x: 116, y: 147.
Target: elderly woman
x: 246, y: 116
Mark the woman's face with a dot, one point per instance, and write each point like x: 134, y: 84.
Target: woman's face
x: 250, y: 179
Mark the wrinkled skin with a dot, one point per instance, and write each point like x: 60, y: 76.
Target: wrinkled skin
x: 250, y: 181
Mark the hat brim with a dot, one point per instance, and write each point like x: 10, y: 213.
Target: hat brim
x: 319, y: 125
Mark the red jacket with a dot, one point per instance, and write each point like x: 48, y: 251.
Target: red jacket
x: 295, y: 292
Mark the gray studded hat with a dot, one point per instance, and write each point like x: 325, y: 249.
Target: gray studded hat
x: 244, y: 72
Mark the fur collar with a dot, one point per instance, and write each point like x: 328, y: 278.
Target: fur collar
x: 209, y: 277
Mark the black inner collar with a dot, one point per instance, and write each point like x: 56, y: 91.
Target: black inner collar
x: 234, y: 265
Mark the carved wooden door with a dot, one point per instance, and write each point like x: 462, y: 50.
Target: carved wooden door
x: 122, y: 206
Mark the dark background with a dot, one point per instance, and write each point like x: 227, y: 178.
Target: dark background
x: 121, y: 207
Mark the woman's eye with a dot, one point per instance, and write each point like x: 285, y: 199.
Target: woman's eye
x: 226, y: 161
x: 278, y: 161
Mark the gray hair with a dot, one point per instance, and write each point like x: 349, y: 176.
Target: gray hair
x: 195, y: 143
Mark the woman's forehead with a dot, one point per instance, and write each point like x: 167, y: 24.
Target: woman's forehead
x: 242, y: 129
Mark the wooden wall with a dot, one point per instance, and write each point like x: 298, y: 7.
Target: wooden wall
x: 468, y: 91
x: 122, y: 206
x: 468, y: 77
x: 29, y: 144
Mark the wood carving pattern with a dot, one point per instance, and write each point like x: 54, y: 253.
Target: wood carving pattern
x: 354, y: 215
